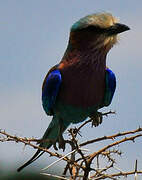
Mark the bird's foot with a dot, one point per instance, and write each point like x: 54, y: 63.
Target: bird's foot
x: 55, y: 146
x: 61, y: 142
x: 97, y: 119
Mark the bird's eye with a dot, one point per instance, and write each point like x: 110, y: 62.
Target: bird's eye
x: 95, y: 29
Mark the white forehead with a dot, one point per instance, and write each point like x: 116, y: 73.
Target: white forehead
x: 103, y: 20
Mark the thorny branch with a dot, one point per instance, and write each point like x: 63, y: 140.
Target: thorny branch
x: 80, y: 163
x: 27, y: 141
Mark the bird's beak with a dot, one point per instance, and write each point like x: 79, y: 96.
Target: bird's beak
x: 117, y: 28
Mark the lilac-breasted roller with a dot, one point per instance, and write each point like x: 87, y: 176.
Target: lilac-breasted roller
x: 81, y: 83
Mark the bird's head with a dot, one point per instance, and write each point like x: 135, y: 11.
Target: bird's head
x: 98, y: 30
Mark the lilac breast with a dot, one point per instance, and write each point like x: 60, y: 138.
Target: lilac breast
x: 82, y: 86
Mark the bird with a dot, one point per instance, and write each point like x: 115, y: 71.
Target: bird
x: 81, y: 83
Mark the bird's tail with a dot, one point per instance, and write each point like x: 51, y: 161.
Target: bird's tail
x: 51, y: 135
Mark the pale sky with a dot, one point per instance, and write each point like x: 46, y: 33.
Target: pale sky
x: 33, y: 38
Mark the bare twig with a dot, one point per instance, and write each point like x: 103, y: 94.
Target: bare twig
x: 55, y: 176
x: 124, y: 174
x: 132, y: 138
x: 55, y: 162
x: 90, y: 120
x: 81, y: 164
x: 112, y: 137
x: 27, y: 142
x: 136, y: 171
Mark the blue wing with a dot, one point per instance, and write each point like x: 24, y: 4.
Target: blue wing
x: 110, y: 87
x: 50, y: 90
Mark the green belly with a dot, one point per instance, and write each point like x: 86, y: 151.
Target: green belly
x: 73, y: 114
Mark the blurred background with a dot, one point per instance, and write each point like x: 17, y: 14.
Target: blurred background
x: 33, y: 38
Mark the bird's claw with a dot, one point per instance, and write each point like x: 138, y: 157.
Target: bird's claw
x: 61, y: 142
x: 55, y: 147
x: 97, y: 119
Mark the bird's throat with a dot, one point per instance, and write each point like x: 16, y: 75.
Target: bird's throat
x: 83, y: 74
x: 91, y: 57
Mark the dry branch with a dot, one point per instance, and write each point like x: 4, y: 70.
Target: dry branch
x: 82, y: 164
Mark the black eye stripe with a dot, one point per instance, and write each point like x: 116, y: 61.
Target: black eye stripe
x: 111, y: 30
x: 97, y: 29
x: 93, y: 29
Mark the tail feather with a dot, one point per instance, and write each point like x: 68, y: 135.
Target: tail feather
x: 51, y: 135
x: 35, y: 156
